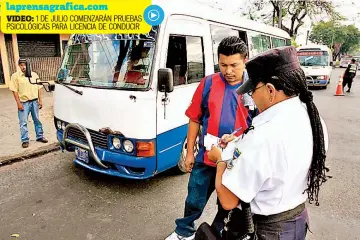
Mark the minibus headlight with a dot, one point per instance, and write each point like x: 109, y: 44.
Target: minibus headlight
x: 116, y: 143
x: 58, y: 124
x: 63, y: 126
x: 128, y: 146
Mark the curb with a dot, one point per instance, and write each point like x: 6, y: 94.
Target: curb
x: 26, y: 155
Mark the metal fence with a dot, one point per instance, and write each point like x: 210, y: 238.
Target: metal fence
x: 46, y: 67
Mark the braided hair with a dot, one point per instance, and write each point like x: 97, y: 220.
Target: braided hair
x: 294, y: 83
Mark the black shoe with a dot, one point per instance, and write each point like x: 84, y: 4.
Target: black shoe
x: 25, y: 144
x: 43, y: 140
x: 348, y: 90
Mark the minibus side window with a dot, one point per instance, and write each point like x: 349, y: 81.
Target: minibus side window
x: 288, y: 42
x: 260, y: 42
x: 218, y: 33
x: 186, y: 58
x: 195, y: 56
x: 277, y: 42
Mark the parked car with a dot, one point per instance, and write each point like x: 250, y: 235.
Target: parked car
x: 357, y: 58
x: 345, y: 61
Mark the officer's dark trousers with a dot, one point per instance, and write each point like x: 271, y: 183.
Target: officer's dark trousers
x: 347, y: 81
x: 294, y: 228
x: 289, y: 225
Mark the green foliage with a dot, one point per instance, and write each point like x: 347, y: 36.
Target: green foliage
x: 293, y: 43
x: 331, y: 32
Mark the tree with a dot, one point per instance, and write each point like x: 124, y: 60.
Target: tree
x: 293, y: 12
x: 341, y: 39
x: 252, y: 9
x: 352, y: 39
x: 296, y: 11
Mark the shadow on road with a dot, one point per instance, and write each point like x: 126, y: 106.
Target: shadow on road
x: 98, y: 179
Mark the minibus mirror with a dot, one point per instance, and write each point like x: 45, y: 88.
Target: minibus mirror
x: 28, y: 69
x: 165, y: 80
x: 49, y: 87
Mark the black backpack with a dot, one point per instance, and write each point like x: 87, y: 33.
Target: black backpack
x: 238, y: 226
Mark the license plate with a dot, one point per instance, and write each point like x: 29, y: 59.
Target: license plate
x: 82, y: 155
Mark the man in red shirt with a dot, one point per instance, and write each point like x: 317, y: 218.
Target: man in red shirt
x: 219, y: 110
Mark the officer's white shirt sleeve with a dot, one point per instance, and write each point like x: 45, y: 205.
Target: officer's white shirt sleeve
x: 250, y: 171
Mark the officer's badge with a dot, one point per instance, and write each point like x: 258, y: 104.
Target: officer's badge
x: 236, y: 153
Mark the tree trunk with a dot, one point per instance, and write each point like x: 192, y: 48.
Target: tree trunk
x: 273, y: 17
x: 334, y: 56
x: 280, y: 15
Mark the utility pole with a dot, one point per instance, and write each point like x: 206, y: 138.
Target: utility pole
x: 307, y: 36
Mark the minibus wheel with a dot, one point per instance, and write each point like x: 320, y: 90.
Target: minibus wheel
x: 181, y: 162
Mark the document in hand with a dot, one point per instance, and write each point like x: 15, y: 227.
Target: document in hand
x: 228, y: 152
x: 210, y: 140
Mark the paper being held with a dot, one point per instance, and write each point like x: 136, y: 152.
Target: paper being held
x: 228, y: 152
x: 210, y: 140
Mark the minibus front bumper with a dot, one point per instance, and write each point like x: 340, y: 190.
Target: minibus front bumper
x: 105, y: 161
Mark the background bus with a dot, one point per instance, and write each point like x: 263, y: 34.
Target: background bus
x: 316, y: 61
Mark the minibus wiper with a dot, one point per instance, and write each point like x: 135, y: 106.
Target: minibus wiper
x: 72, y: 89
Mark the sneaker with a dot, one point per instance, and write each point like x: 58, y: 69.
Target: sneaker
x: 348, y: 90
x: 175, y: 236
x: 43, y: 140
x: 25, y: 144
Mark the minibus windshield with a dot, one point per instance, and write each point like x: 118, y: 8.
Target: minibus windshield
x: 313, y: 58
x: 109, y: 60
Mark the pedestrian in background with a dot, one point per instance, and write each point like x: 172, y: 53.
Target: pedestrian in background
x: 28, y: 99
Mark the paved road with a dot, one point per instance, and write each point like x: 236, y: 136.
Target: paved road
x: 49, y: 198
x: 10, y: 130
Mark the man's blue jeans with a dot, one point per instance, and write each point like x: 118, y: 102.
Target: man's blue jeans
x: 33, y: 108
x: 201, y: 186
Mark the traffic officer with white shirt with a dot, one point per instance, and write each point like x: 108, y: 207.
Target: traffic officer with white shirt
x: 279, y: 162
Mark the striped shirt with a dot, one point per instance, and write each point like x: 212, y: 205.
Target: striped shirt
x: 219, y: 110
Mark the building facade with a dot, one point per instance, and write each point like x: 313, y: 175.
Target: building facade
x: 43, y: 50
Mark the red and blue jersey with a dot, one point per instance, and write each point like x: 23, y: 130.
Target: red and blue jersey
x: 218, y: 109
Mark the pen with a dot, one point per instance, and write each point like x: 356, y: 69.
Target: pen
x: 234, y: 132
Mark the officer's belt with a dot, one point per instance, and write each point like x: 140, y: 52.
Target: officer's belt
x: 279, y: 217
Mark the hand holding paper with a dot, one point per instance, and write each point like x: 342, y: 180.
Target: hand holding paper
x: 210, y: 140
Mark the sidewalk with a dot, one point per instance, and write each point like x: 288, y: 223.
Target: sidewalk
x: 10, y: 143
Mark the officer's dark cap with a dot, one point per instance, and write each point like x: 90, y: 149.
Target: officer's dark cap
x: 22, y: 60
x: 269, y: 64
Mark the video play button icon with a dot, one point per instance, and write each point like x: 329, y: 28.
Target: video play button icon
x: 154, y: 15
